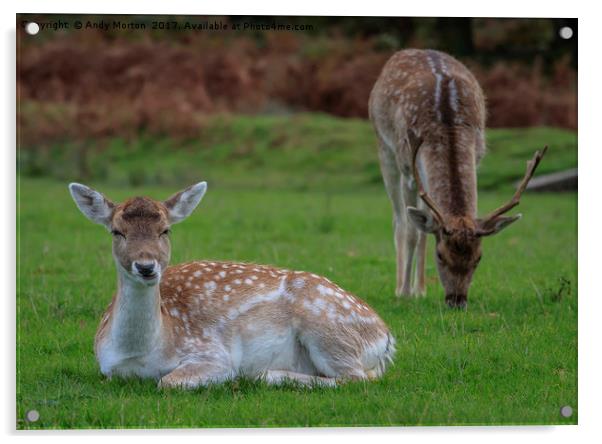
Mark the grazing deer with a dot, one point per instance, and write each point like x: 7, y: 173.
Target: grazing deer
x: 206, y: 321
x: 428, y: 112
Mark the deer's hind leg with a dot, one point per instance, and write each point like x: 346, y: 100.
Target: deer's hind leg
x: 392, y: 178
x: 192, y: 374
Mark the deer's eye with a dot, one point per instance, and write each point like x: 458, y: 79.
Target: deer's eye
x: 166, y: 232
x: 439, y: 257
x: 117, y: 233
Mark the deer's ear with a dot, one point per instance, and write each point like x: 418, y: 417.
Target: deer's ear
x: 423, y: 220
x: 494, y: 226
x: 93, y: 204
x: 181, y: 204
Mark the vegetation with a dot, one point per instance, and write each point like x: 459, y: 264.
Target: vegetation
x: 300, y: 152
x: 305, y: 193
x: 81, y: 85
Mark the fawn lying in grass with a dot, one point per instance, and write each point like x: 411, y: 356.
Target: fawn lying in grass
x: 207, y: 321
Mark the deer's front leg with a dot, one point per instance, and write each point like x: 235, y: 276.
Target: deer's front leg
x: 192, y: 375
x: 420, y: 276
x: 392, y: 179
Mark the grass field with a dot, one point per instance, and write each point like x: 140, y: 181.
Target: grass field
x: 511, y: 358
x: 298, y: 152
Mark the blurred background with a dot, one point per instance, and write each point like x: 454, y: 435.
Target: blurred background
x: 239, y: 106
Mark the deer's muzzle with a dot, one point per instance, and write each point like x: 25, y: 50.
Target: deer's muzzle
x: 456, y: 300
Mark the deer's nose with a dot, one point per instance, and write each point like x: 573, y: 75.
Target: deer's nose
x: 456, y: 300
x: 145, y: 268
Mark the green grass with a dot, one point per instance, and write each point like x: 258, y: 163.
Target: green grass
x: 302, y: 192
x: 299, y: 152
x: 510, y: 359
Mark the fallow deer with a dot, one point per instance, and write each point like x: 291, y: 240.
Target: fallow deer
x: 206, y: 322
x: 428, y: 112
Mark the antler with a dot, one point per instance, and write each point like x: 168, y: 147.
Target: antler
x: 531, y: 167
x: 415, y: 144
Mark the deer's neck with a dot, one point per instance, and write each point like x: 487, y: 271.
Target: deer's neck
x: 137, y: 324
x: 451, y: 178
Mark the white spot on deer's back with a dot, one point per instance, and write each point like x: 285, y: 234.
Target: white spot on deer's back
x: 331, y: 312
x: 299, y: 283
x: 438, y: 78
x: 210, y: 286
x: 251, y: 302
x: 444, y: 68
x: 311, y: 307
x: 222, y: 274
x: 248, y: 281
x: 453, y: 95
x: 324, y: 290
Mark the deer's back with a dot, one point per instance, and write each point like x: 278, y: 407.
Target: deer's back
x: 432, y: 93
x: 206, y: 298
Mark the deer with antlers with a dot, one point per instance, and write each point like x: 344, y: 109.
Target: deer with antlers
x: 206, y: 322
x: 428, y: 112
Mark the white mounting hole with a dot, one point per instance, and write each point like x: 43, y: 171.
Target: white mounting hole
x: 566, y: 32
x: 32, y: 28
x: 32, y: 415
x: 566, y: 411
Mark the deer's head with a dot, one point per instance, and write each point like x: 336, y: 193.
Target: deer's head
x: 140, y: 227
x: 458, y: 238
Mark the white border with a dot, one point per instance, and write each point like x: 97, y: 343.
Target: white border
x: 435, y: 8
x: 590, y: 299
